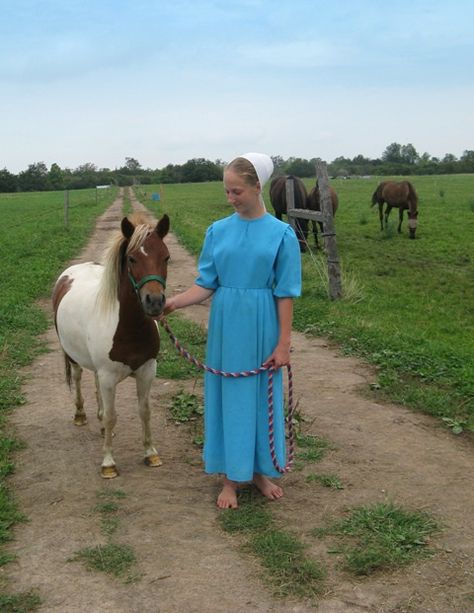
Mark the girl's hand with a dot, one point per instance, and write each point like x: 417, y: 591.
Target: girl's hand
x: 170, y: 306
x: 280, y: 356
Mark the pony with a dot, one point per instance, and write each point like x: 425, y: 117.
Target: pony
x: 401, y: 195
x: 104, y: 317
x: 313, y: 204
x: 280, y: 205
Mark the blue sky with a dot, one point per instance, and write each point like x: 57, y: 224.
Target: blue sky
x: 167, y: 81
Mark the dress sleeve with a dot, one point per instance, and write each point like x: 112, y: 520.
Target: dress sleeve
x: 288, y: 267
x: 207, y: 277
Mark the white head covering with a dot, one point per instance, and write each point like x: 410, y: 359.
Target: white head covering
x: 263, y: 166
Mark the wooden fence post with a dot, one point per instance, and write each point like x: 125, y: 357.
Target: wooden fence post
x: 290, y: 202
x: 329, y: 234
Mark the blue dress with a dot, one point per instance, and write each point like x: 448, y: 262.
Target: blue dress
x: 249, y: 263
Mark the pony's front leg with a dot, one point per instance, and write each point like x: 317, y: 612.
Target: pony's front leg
x: 144, y: 379
x: 109, y: 419
x: 80, y: 418
x: 400, y: 219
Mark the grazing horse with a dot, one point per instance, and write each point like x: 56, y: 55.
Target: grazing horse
x: 280, y: 206
x: 104, y: 317
x: 314, y: 204
x: 401, y: 195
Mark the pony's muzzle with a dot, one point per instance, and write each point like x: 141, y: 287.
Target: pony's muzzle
x: 153, y: 304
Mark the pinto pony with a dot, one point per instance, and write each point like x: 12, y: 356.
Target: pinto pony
x: 314, y: 204
x: 104, y: 317
x: 280, y: 205
x: 401, y: 195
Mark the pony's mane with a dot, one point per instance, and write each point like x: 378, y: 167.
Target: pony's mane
x: 113, y: 256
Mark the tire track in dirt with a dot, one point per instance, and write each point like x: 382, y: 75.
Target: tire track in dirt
x: 185, y: 562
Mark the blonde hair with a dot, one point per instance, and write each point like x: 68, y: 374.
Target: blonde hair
x: 245, y: 169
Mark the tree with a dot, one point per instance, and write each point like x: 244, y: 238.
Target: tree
x: 34, y: 178
x: 409, y: 154
x: 299, y: 167
x: 56, y: 177
x: 393, y: 153
x: 132, y: 166
x: 198, y: 170
x: 8, y: 181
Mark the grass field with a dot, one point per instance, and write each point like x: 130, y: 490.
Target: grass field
x: 35, y: 245
x: 408, y: 305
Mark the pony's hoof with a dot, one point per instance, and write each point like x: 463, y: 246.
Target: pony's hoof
x: 153, y: 460
x: 102, y: 433
x: 109, y: 472
x: 80, y: 420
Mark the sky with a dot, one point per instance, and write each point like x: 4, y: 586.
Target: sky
x: 166, y: 81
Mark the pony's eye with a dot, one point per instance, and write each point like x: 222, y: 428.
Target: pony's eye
x: 131, y: 259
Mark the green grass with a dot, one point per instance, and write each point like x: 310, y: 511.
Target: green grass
x: 20, y: 603
x: 171, y: 364
x: 36, y: 244
x: 381, y: 537
x: 111, y: 558
x: 331, y: 481
x: 407, y: 306
x: 282, y: 556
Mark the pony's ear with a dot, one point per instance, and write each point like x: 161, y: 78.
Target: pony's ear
x: 163, y: 226
x: 127, y: 228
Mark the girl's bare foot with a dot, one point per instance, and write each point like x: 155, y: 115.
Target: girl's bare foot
x: 227, y: 499
x: 267, y: 488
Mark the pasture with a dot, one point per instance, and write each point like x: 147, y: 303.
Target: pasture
x: 35, y: 244
x: 409, y: 306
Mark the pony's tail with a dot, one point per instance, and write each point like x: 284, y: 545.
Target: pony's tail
x: 67, y: 365
x: 375, y: 197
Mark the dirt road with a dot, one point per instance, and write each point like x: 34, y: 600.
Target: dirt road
x: 185, y: 563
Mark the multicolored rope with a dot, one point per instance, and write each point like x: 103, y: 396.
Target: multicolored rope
x: 250, y: 373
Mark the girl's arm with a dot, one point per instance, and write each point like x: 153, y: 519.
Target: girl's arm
x: 281, y: 353
x: 194, y: 295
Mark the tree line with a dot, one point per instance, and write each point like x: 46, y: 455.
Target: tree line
x: 396, y: 160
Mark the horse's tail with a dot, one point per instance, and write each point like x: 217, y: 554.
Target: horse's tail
x: 377, y: 195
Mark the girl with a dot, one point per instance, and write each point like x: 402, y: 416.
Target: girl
x: 250, y: 264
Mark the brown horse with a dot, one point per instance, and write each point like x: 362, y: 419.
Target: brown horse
x: 401, y: 195
x: 314, y: 204
x: 278, y: 200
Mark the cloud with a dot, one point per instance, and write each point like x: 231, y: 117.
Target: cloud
x: 300, y: 54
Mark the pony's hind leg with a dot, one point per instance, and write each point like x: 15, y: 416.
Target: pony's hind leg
x: 98, y: 397
x: 144, y: 379
x: 80, y: 418
x: 381, y: 214
x: 400, y: 219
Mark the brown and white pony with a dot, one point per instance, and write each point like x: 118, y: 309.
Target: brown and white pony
x: 104, y: 316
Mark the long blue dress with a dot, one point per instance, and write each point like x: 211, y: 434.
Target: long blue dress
x: 249, y: 264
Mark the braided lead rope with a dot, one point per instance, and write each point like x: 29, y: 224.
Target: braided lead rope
x: 250, y: 373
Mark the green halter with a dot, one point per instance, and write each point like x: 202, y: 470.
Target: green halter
x: 137, y: 286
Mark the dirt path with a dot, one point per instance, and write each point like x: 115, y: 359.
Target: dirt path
x: 185, y: 562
